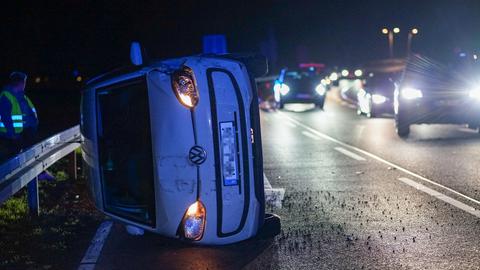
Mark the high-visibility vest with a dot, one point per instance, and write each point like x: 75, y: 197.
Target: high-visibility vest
x: 16, y: 113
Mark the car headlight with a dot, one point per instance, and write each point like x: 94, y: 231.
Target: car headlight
x: 321, y: 89
x: 411, y: 93
x: 378, y: 99
x: 185, y: 88
x: 282, y: 88
x: 193, y: 223
x: 474, y: 94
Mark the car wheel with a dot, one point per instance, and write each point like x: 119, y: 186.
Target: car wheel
x: 271, y: 226
x: 371, y: 110
x: 359, y: 112
x: 281, y: 105
x: 319, y: 105
x: 402, y: 129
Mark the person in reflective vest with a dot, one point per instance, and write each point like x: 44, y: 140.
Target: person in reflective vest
x: 18, y: 116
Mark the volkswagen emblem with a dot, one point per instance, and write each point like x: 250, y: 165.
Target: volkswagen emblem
x: 197, y: 155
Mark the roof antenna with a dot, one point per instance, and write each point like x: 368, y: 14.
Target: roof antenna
x: 136, y: 53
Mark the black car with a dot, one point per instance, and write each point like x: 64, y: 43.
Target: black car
x: 299, y: 87
x: 431, y: 93
x: 376, y: 96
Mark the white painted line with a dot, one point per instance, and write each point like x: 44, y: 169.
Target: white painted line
x: 441, y: 196
x: 468, y: 130
x: 350, y: 154
x: 291, y: 124
x: 310, y: 135
x: 93, y: 252
x: 266, y: 183
x: 366, y: 153
x: 273, y: 196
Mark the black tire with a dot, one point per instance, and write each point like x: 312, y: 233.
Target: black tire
x: 403, y: 130
x: 281, y: 105
x: 359, y: 111
x: 372, y: 113
x: 319, y: 105
x: 271, y: 226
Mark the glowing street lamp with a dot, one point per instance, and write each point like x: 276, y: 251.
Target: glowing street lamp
x: 390, y: 34
x: 413, y: 32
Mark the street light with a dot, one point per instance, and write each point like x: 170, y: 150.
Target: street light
x: 412, y: 33
x: 389, y: 34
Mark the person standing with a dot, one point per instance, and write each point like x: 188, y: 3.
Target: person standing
x: 18, y: 116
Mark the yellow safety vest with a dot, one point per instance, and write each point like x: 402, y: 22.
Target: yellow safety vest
x: 16, y: 113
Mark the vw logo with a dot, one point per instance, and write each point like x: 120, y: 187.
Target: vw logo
x: 197, y: 155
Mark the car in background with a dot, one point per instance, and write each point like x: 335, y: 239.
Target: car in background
x: 300, y: 86
x: 433, y: 93
x: 376, y: 96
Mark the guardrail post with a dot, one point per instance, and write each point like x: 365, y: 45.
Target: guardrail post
x: 32, y: 197
x: 72, y: 166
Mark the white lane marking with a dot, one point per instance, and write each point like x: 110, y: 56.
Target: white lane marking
x: 266, y: 183
x: 93, y: 252
x: 351, y: 147
x: 310, y: 135
x: 291, y: 124
x: 441, y: 196
x: 468, y: 130
x: 273, y: 196
x: 350, y: 154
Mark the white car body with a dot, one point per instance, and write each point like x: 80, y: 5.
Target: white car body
x: 233, y: 197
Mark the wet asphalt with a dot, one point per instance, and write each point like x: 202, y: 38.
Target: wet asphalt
x: 342, y: 211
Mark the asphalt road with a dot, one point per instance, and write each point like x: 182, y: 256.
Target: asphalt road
x: 356, y: 197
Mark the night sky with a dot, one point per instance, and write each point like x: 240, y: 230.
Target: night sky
x: 57, y: 37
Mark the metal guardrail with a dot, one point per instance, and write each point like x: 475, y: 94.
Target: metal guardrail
x: 23, y: 169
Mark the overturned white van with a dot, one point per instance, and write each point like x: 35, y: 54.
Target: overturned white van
x: 174, y: 147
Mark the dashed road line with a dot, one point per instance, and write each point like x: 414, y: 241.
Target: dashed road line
x: 310, y: 135
x: 273, y: 196
x: 441, y: 196
x: 291, y: 124
x: 373, y: 156
x: 93, y: 252
x: 350, y: 154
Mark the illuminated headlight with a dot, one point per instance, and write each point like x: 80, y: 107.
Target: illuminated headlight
x: 282, y: 88
x: 474, y: 94
x: 411, y: 93
x: 358, y: 73
x: 194, y: 221
x: 320, y: 89
x: 378, y: 99
x: 185, y: 88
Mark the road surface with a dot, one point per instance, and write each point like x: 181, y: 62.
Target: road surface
x: 356, y: 197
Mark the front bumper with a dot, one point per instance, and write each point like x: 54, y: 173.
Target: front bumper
x: 435, y: 111
x: 302, y: 98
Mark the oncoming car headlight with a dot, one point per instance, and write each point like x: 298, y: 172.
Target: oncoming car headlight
x: 411, y: 93
x: 321, y: 89
x: 283, y: 88
x: 378, y: 99
x: 184, y: 86
x: 193, y: 222
x: 474, y: 94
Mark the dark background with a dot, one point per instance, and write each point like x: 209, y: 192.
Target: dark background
x: 57, y: 41
x: 57, y: 37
